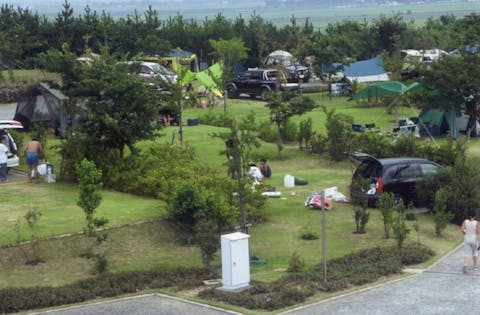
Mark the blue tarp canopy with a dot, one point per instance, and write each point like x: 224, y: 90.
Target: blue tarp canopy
x: 370, y: 70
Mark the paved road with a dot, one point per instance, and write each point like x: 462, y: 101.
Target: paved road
x: 14, y: 175
x: 150, y: 304
x: 7, y: 111
x: 441, y: 289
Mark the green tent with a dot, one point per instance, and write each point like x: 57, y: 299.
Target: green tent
x: 438, y: 121
x: 383, y: 89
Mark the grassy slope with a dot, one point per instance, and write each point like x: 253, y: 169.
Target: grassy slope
x: 60, y: 213
x: 153, y: 245
x: 29, y: 76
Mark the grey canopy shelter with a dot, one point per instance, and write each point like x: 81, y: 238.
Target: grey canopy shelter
x: 43, y: 105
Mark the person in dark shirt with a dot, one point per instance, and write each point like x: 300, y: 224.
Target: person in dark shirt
x: 265, y: 168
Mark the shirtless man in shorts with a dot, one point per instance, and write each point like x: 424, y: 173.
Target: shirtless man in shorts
x: 33, y: 151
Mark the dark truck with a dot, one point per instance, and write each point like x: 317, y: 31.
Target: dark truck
x: 258, y: 82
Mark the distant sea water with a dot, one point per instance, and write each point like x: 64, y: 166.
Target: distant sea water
x: 319, y: 16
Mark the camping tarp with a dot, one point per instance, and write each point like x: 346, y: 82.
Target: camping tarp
x: 370, y: 70
x: 383, y: 89
x: 184, y: 57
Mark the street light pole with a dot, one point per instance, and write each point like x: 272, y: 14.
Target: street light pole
x: 324, y: 242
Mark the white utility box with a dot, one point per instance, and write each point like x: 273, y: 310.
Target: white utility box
x: 235, y: 261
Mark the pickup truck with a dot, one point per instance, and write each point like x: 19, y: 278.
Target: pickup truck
x: 258, y: 82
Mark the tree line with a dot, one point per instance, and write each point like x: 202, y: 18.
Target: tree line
x: 24, y: 34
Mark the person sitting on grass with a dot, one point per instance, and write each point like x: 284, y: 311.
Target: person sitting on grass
x: 265, y: 168
x: 255, y: 173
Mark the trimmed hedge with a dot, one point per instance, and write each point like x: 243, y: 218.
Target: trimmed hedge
x: 108, y: 285
x: 348, y: 271
x: 344, y: 272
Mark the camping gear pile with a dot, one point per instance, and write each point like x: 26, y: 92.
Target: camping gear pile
x: 316, y: 199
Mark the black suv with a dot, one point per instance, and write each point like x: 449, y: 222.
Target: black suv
x: 257, y: 82
x: 299, y: 73
x: 393, y: 175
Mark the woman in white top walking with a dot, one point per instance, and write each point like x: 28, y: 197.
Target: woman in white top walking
x: 471, y: 230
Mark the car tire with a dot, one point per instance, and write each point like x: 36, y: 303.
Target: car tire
x: 264, y: 94
x: 232, y: 91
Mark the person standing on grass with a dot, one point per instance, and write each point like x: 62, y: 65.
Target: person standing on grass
x: 33, y: 152
x: 3, y: 160
x: 471, y: 232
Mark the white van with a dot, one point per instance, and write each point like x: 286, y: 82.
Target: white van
x: 5, y: 126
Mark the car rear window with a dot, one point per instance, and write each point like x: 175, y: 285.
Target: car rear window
x: 406, y: 171
x: 429, y: 168
x: 368, y: 169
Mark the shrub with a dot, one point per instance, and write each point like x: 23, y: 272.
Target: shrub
x: 386, y: 204
x: 207, y: 240
x: 410, y: 216
x: 415, y: 253
x: 361, y: 213
x: 318, y: 143
x: 289, y: 131
x: 287, y: 296
x: 267, y: 132
x: 441, y: 216
x: 155, y: 171
x: 212, y: 118
x: 296, y: 263
x: 399, y: 228
x: 305, y: 132
x: 375, y: 144
x: 353, y: 269
x: 106, y: 285
x: 461, y: 186
x: 339, y: 134
x: 31, y: 217
x: 306, y: 234
x: 406, y: 146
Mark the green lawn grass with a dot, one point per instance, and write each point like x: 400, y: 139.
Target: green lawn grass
x: 29, y: 76
x: 137, y: 247
x: 60, y: 214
